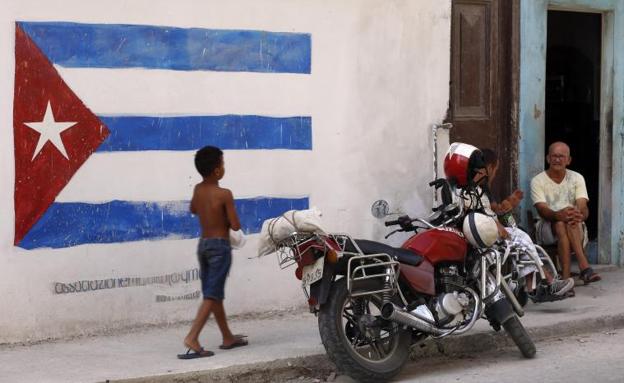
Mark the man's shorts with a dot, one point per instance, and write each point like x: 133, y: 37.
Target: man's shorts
x: 544, y: 234
x: 215, y: 259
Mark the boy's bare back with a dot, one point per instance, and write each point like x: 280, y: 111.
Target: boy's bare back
x: 215, y: 207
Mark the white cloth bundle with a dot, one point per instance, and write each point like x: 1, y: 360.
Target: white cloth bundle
x: 279, y: 228
x: 237, y: 239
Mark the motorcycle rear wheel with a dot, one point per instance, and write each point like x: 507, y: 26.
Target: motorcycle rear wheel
x: 362, y: 357
x: 519, y: 335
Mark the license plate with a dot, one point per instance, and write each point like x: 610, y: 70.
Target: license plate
x: 312, y: 273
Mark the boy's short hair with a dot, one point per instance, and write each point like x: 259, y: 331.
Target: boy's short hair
x: 489, y: 156
x: 207, y: 159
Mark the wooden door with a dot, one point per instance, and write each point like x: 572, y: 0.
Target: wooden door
x: 483, y: 81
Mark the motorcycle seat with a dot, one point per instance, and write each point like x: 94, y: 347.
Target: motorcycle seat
x: 401, y: 255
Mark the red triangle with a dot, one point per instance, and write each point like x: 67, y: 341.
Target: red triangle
x: 38, y: 181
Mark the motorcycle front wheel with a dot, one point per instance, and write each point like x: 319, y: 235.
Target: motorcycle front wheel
x: 519, y: 335
x: 358, y: 341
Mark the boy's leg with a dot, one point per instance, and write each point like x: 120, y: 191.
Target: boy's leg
x: 192, y: 338
x: 220, y: 317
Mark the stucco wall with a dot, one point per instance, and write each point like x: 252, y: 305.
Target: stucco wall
x: 378, y: 81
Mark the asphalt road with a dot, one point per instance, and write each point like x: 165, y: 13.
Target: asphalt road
x: 595, y: 357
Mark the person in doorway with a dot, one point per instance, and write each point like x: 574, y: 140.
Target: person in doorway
x: 549, y: 289
x: 214, y: 206
x: 560, y: 197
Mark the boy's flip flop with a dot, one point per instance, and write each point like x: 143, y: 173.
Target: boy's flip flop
x: 195, y: 354
x: 239, y: 342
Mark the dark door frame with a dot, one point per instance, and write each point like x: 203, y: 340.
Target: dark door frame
x: 497, y: 113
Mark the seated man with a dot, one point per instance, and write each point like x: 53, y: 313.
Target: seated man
x: 549, y: 289
x: 560, y: 197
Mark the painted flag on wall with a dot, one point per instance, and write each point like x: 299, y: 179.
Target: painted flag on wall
x: 56, y: 133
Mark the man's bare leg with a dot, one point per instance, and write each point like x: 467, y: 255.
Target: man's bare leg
x: 219, y: 313
x: 575, y: 234
x: 563, y: 247
x: 192, y: 338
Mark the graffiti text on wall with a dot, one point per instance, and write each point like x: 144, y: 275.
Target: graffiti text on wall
x: 185, y: 297
x: 83, y: 286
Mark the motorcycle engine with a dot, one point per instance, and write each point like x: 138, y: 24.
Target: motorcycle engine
x: 450, y: 279
x: 451, y: 304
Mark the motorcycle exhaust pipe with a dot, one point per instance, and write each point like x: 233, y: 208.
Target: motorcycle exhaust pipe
x: 390, y: 311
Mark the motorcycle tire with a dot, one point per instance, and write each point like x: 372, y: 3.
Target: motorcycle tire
x: 519, y: 335
x: 521, y: 296
x: 342, y: 354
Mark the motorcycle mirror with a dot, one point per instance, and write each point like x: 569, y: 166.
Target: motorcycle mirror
x: 380, y: 208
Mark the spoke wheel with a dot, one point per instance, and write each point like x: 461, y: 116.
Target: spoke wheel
x: 358, y: 340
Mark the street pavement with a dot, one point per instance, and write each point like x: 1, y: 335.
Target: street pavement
x: 282, y: 345
x: 592, y: 357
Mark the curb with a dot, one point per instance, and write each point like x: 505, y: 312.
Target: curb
x: 316, y: 366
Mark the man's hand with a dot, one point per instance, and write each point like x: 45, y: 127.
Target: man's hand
x: 502, y: 233
x: 515, y: 198
x: 578, y: 217
x: 506, y: 206
x: 569, y: 215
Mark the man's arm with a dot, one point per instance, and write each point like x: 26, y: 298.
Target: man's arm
x: 581, y: 205
x: 581, y: 197
x: 230, y: 210
x: 565, y: 215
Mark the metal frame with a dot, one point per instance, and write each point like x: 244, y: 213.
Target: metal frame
x: 388, y: 277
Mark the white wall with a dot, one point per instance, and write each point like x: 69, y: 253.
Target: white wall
x: 380, y: 74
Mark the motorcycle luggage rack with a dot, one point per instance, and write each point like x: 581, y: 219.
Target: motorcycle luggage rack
x: 289, y: 249
x: 386, y: 281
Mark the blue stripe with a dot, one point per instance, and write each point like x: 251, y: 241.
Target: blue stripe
x: 73, y: 223
x: 129, y: 46
x: 191, y: 133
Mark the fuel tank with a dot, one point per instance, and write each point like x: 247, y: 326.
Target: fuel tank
x: 420, y: 278
x: 439, y: 245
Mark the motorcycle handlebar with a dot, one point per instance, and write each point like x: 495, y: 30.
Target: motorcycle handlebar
x: 404, y: 221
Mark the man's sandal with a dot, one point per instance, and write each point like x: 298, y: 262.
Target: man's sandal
x: 588, y: 276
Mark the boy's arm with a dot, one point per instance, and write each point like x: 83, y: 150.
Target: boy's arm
x: 192, y: 207
x: 230, y: 210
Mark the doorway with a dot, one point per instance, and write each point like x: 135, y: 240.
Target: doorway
x: 572, y: 113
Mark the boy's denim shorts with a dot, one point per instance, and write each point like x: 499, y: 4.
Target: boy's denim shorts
x: 215, y: 259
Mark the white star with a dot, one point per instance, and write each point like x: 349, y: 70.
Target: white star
x: 50, y: 130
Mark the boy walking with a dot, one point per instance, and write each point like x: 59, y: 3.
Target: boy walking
x: 214, y: 206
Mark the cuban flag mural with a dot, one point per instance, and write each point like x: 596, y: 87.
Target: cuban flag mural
x: 69, y: 142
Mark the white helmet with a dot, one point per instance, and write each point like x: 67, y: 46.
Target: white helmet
x: 480, y: 229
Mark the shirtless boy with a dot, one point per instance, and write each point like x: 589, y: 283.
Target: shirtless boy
x: 214, y: 206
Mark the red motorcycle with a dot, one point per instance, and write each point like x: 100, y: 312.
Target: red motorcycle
x: 374, y: 301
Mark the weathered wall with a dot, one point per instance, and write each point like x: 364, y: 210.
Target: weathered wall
x: 532, y: 104
x: 378, y: 81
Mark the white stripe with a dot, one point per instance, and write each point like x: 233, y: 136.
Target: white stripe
x: 169, y: 175
x: 167, y: 92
